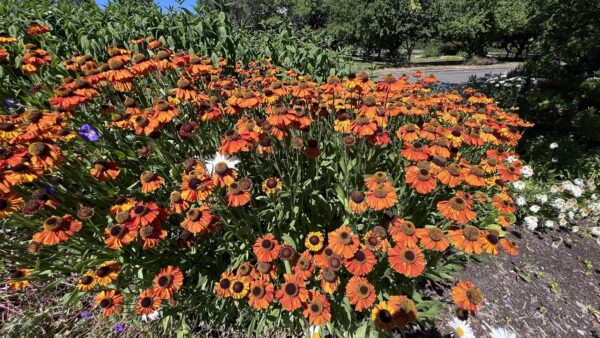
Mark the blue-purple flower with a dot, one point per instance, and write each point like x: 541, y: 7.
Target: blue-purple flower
x: 119, y: 328
x: 89, y: 133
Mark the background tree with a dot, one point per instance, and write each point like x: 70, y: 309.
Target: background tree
x: 515, y: 27
x: 468, y: 23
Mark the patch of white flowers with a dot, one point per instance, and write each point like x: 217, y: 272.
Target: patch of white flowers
x: 564, y: 204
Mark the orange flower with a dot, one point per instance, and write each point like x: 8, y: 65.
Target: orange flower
x: 343, y: 242
x: 261, y: 294
x: 408, y: 260
x: 272, y: 185
x: 9, y: 204
x: 151, y: 182
x: 467, y: 296
x: 361, y: 293
x: 363, y: 126
x: 119, y: 235
x: 146, y: 213
x: 222, y: 287
x: 376, y: 180
x: 317, y: 309
x: 197, y: 187
x: 234, y: 142
x: 432, y: 239
x: 358, y: 202
x: 44, y: 155
x: 109, y: 301
x: 490, y: 243
x: 292, y: 293
x: 420, y: 179
x: 458, y: 208
x: 403, y: 232
x: 468, y: 239
x: 107, y: 272
x: 405, y: 311
x: 177, y: 203
x: 451, y: 175
x: 328, y: 280
x: 382, y: 197
x: 509, y: 246
x: 304, y: 267
x: 87, y: 281
x: 416, y: 152
x: 504, y: 203
x: 57, y: 230
x: 167, y: 282
x: 361, y: 263
x: 151, y: 234
x: 236, y: 196
x: 18, y: 279
x: 147, y: 303
x: 105, y: 171
x: 266, y: 248
x: 198, y: 220
x: 475, y: 176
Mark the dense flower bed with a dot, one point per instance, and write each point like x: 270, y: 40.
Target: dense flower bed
x: 179, y: 184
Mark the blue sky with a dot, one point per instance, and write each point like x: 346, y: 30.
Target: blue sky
x: 164, y: 3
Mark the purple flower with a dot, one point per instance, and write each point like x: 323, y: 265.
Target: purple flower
x: 89, y: 133
x: 119, y: 328
x: 50, y: 189
x: 9, y: 103
x: 85, y: 315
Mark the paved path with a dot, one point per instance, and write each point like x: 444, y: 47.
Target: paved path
x: 452, y: 74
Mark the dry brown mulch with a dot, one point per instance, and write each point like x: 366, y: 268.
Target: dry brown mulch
x: 545, y: 291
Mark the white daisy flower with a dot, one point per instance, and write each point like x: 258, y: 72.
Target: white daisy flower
x: 527, y: 171
x: 502, y: 333
x: 595, y: 231
x: 534, y: 208
x: 519, y: 185
x: 521, y: 201
x: 549, y: 224
x: 151, y: 317
x: 219, y: 161
x: 542, y: 198
x: 531, y: 222
x: 553, y: 145
x: 461, y: 329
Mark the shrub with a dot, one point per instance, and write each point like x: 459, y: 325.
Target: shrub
x: 193, y: 187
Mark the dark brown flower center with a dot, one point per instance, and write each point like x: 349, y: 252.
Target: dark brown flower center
x: 232, y: 135
x: 267, y: 244
x: 364, y: 290
x: 224, y: 283
x: 194, y: 183
x: 117, y: 230
x: 106, y: 303
x: 165, y: 281
x: 314, y: 240
x: 457, y: 203
x: 346, y: 238
x: 385, y: 316
x: 409, y: 256
x: 360, y: 256
x: 316, y: 307
x: 291, y: 289
x: 147, y: 231
x: 87, y: 280
x: 146, y: 302
x: 3, y: 203
x: 271, y: 183
x: 258, y: 291
x: 103, y: 271
x: 238, y: 287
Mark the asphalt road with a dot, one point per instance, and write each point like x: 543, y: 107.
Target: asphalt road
x: 452, y: 74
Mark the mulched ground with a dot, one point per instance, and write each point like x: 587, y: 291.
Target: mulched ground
x: 545, y: 291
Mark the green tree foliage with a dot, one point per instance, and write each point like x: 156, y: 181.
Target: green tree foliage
x: 515, y: 25
x: 468, y: 23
